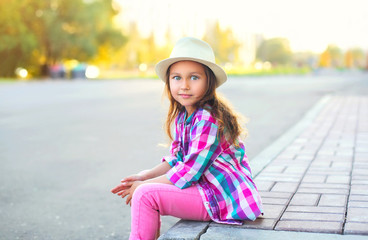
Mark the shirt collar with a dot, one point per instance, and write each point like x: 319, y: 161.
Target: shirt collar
x: 183, y: 116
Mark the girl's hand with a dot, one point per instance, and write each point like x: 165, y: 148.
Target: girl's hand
x: 127, y: 189
x: 131, y: 191
x: 127, y: 182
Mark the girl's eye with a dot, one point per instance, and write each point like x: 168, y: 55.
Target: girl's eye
x: 176, y: 78
x: 194, y: 78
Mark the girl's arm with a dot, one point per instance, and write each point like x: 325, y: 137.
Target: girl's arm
x: 157, y: 171
x: 148, y: 175
x: 156, y: 175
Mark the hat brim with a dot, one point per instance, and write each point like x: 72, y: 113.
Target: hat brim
x: 162, y: 66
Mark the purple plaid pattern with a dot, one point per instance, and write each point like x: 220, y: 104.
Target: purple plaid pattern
x: 220, y: 170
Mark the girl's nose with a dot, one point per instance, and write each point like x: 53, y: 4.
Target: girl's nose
x: 185, y: 84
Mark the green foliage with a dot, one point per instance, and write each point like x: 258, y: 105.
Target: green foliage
x: 43, y: 32
x: 16, y: 39
x: 275, y: 51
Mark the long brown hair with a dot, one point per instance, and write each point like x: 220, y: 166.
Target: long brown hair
x: 221, y: 110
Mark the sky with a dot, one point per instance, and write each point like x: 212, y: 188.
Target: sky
x: 309, y: 25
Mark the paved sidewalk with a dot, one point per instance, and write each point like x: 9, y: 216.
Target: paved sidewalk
x: 316, y: 181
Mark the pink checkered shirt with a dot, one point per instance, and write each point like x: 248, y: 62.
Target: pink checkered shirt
x: 219, y: 170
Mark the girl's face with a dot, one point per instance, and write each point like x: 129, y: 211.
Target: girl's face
x: 188, y: 83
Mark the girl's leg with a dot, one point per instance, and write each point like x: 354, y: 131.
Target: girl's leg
x: 154, y: 199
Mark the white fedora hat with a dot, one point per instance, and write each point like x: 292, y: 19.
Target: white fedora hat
x: 192, y: 49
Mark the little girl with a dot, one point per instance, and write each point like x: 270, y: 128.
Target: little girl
x: 207, y: 174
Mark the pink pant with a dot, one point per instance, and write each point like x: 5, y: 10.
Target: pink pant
x: 154, y: 199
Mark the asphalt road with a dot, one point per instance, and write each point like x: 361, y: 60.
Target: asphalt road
x: 65, y: 144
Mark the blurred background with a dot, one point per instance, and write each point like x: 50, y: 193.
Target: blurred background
x: 124, y: 38
x: 81, y: 107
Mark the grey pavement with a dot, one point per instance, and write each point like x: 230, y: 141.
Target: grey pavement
x: 313, y: 180
x: 65, y: 144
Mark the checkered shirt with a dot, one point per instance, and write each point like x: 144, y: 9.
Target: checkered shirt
x: 219, y: 170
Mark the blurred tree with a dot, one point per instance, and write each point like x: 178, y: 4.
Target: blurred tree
x: 348, y: 57
x: 275, y: 50
x: 223, y: 43
x: 17, y: 41
x: 49, y: 31
x: 128, y: 54
x: 336, y: 58
x: 141, y: 50
x: 356, y: 56
x: 325, y: 59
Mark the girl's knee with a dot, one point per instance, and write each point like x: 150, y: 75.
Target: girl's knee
x: 142, y: 191
x: 146, y: 193
x: 139, y: 192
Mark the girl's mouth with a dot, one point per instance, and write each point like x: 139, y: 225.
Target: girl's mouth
x: 185, y: 95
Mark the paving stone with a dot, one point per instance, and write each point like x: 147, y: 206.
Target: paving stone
x: 344, y: 165
x: 329, y: 171
x: 305, y: 155
x: 259, y: 223
x: 325, y: 185
x: 338, y: 179
x: 314, y: 179
x: 360, y: 177
x: 275, y: 194
x: 362, y: 149
x: 284, y: 187
x: 310, y: 226
x: 357, y: 215
x: 278, y: 177
x: 359, y: 189
x: 318, y: 164
x: 358, y: 204
x: 356, y: 228
x: 359, y: 171
x: 293, y: 147
x: 301, y: 140
x: 292, y: 163
x: 264, y: 185
x: 355, y: 182
x: 332, y: 217
x: 284, y: 158
x: 316, y: 209
x: 323, y: 190
x: 274, y: 169
x: 326, y: 153
x: 345, y: 153
x: 266, y: 178
x: 361, y: 156
x: 302, y: 199
x: 361, y: 165
x: 276, y: 201
x: 335, y: 158
x: 333, y: 200
x: 287, y: 155
x: 273, y: 211
x: 295, y: 169
x: 329, y: 146
x: 358, y: 197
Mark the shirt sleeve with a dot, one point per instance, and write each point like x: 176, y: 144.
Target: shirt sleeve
x: 175, y: 152
x: 204, y: 148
